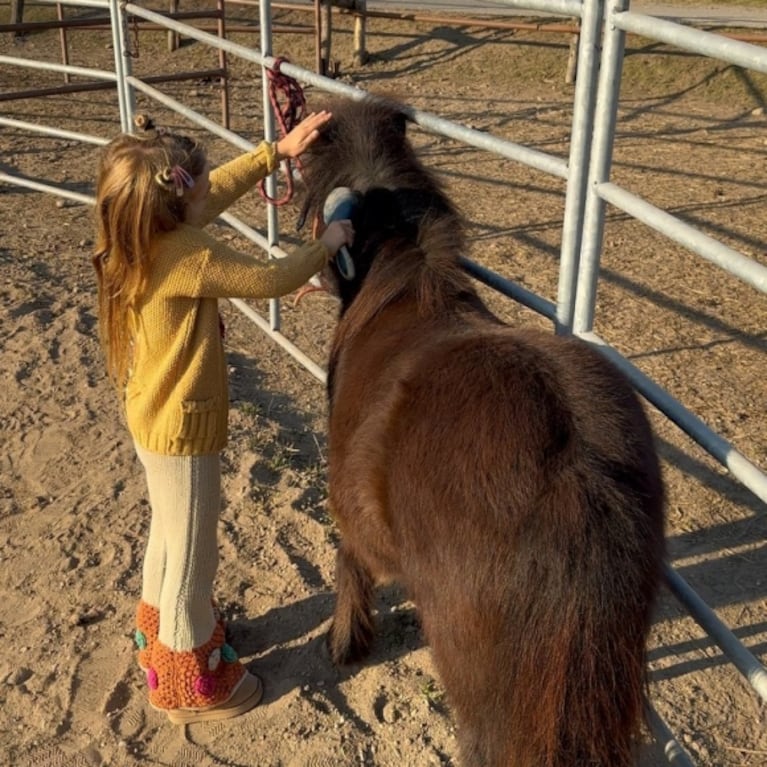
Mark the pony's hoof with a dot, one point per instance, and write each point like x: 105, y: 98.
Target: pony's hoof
x: 349, y: 647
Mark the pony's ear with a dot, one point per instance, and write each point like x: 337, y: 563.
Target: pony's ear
x: 328, y: 133
x: 400, y: 123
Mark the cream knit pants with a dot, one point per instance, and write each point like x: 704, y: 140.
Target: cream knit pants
x: 181, y: 555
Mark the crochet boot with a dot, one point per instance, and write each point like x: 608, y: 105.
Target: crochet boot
x: 148, y: 627
x: 207, y: 683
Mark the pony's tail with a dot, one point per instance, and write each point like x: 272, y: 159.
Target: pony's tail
x: 588, y: 708
x: 556, y: 677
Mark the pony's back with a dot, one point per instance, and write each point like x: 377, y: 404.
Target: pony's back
x: 507, y: 477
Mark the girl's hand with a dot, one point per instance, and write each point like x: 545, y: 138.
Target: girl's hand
x: 303, y: 135
x: 338, y: 233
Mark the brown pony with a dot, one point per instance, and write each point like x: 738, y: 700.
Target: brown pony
x: 506, y: 477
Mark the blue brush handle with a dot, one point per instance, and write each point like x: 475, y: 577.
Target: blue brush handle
x: 340, y: 205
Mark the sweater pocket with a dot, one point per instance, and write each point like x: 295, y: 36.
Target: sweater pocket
x: 198, y: 418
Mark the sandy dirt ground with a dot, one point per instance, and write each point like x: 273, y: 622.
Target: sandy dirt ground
x: 73, y: 514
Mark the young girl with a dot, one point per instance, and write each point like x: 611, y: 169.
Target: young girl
x: 159, y: 277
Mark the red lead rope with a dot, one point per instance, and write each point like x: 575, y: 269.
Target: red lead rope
x: 289, y: 113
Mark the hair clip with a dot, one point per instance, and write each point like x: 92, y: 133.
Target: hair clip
x: 181, y: 178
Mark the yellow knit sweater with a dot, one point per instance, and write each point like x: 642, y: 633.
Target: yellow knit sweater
x: 176, y: 399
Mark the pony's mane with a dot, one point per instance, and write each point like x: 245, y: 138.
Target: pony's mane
x: 426, y: 270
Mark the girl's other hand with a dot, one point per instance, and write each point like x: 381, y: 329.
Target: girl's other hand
x: 336, y: 234
x: 303, y: 135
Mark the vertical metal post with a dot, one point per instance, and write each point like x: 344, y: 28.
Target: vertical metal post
x: 17, y: 15
x: 318, y: 36
x: 326, y: 37
x: 360, y: 25
x: 63, y: 41
x: 174, y: 39
x: 273, y: 226
x: 125, y: 96
x: 580, y: 145
x: 572, y: 56
x: 608, y: 92
x: 223, y: 64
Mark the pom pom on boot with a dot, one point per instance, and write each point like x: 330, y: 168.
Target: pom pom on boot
x: 147, y: 629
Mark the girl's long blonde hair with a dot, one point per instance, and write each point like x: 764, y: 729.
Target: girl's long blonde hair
x: 135, y: 200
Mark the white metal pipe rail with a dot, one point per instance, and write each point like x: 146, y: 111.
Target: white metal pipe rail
x: 729, y: 259
x: 46, y: 130
x: 674, y: 753
x: 742, y: 54
x: 48, y: 66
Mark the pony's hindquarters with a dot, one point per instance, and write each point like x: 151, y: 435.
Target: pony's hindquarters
x: 525, y: 501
